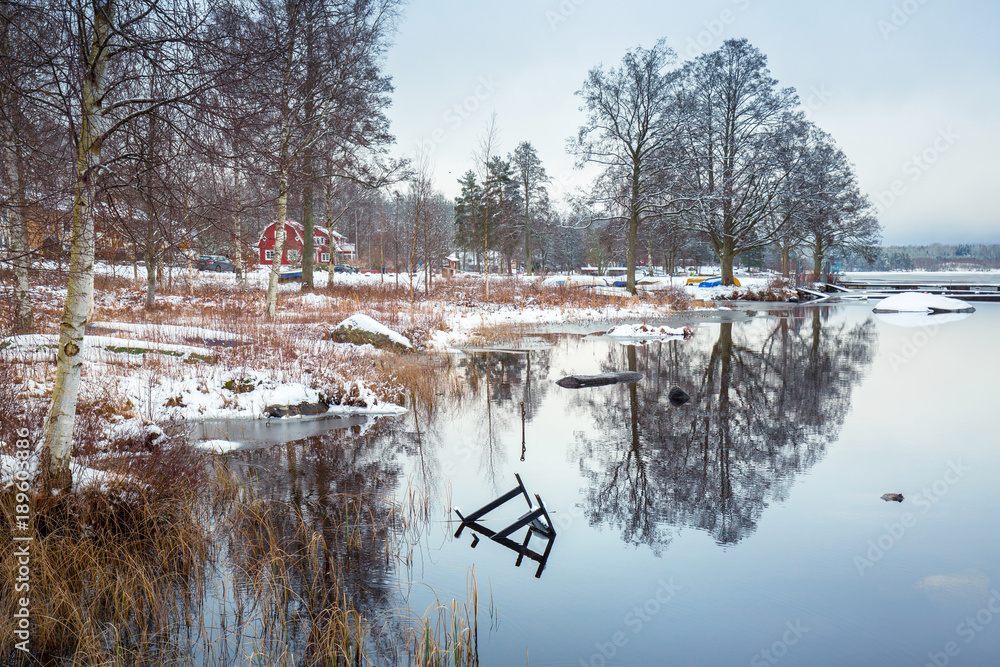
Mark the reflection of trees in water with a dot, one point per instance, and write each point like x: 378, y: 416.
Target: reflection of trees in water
x: 765, y: 404
x: 502, y: 381
x: 328, y: 513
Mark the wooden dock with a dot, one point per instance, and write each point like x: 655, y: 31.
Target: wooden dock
x: 972, y: 292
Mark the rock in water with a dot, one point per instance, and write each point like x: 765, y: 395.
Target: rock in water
x: 678, y: 396
x: 578, y: 381
x: 301, y: 409
x: 892, y: 497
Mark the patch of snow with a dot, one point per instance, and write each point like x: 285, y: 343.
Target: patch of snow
x: 921, y: 302
x: 84, y: 478
x: 365, y: 323
x: 218, y: 446
x: 92, y: 478
x: 314, y: 300
x: 644, y: 331
x: 173, y: 333
x: 97, y: 348
x: 11, y: 465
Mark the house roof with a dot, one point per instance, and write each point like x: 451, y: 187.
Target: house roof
x: 299, y: 230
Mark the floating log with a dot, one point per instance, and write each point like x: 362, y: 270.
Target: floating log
x: 579, y: 381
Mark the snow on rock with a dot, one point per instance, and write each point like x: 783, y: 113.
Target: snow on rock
x: 364, y: 323
x: 291, y: 394
x: 246, y: 394
x: 921, y: 302
x: 218, y: 446
x: 355, y: 397
x: 643, y: 331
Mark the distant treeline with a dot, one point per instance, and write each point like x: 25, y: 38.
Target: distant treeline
x: 933, y: 257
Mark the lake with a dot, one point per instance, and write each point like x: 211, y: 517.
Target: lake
x: 743, y: 527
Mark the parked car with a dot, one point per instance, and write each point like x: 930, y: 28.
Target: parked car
x: 216, y: 263
x: 344, y: 268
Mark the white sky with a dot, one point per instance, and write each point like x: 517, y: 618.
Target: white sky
x: 889, y: 79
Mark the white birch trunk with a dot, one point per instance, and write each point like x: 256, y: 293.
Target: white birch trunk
x: 24, y: 319
x: 329, y: 229
x: 271, y: 310
x: 58, y: 442
x: 237, y: 249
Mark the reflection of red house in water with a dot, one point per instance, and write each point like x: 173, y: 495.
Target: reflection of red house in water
x: 295, y: 242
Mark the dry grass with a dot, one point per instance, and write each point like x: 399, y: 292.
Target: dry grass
x: 128, y: 578
x: 188, y: 565
x: 111, y: 578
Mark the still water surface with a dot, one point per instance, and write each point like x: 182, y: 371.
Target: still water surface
x: 743, y: 528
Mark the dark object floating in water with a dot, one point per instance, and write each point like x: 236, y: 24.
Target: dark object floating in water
x: 578, y: 381
x: 892, y: 497
x: 678, y: 396
x: 536, y: 520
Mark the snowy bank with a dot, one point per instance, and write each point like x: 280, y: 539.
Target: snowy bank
x: 40, y: 347
x: 646, y: 332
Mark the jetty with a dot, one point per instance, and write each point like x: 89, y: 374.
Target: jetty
x: 877, y: 289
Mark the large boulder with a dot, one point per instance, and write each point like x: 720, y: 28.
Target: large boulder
x: 363, y: 330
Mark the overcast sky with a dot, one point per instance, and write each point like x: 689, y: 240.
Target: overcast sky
x: 910, y: 89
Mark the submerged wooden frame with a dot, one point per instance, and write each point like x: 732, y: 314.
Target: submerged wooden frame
x: 537, y: 521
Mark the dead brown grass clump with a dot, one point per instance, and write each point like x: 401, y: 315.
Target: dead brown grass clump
x: 112, y: 579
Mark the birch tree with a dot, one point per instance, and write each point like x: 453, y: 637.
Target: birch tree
x: 91, y: 47
x: 331, y: 95
x: 13, y: 20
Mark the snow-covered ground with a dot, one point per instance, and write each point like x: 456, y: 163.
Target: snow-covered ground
x: 84, y: 478
x: 258, y: 279
x: 216, y: 358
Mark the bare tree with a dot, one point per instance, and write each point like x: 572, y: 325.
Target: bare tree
x: 338, y: 105
x: 741, y: 128
x: 13, y: 19
x: 96, y: 50
x: 837, y: 215
x: 633, y: 116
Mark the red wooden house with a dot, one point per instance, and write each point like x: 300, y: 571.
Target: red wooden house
x: 295, y: 242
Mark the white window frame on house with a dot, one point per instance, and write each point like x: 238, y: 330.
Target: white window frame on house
x: 269, y: 255
x: 319, y: 241
x: 325, y: 257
